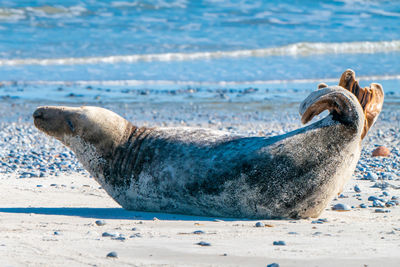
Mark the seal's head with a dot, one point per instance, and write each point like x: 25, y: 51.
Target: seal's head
x: 98, y: 127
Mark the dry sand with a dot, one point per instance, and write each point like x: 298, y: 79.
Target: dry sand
x: 70, y: 204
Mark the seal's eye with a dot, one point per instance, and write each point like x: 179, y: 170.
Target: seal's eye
x: 71, y: 126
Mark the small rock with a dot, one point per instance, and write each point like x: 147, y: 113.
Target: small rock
x: 390, y: 204
x: 260, y: 224
x: 381, y: 151
x: 273, y: 265
x: 100, y: 222
x: 381, y: 185
x: 198, y: 232
x: 385, y: 193
x: 279, y: 243
x: 357, y: 189
x: 111, y: 234
x: 203, y: 244
x: 341, y: 207
x: 120, y: 238
x: 377, y: 203
x: 363, y: 206
x: 371, y: 176
x: 112, y: 254
x: 317, y: 222
x: 374, y: 198
x: 381, y: 211
x: 135, y: 235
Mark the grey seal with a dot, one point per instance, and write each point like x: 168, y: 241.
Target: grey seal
x: 213, y: 173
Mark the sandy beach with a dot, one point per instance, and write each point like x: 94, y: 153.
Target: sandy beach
x: 50, y: 205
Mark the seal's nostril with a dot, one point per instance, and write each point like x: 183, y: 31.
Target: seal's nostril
x: 37, y: 114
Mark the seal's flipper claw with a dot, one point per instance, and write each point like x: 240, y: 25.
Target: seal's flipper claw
x: 370, y: 98
x: 373, y: 106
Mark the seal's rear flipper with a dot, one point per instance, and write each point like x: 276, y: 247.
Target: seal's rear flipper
x: 370, y: 98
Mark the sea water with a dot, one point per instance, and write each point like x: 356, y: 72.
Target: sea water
x: 218, y: 50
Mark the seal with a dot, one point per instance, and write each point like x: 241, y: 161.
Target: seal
x: 214, y: 173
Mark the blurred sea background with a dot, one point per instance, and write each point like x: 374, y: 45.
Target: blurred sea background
x: 268, y: 52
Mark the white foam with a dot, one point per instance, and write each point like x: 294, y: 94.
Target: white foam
x: 297, y: 49
x: 193, y: 83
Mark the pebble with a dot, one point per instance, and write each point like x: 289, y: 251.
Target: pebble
x: 121, y: 237
x: 363, y: 206
x: 371, y: 176
x: 198, y: 232
x: 377, y: 203
x: 135, y: 235
x: 381, y: 185
x: 382, y: 211
x: 279, y: 243
x: 374, y: 198
x: 317, y: 222
x: 100, y: 222
x: 273, y: 265
x: 111, y: 234
x: 112, y: 254
x: 357, y: 189
x: 203, y: 244
x: 341, y: 207
x: 260, y: 224
x: 320, y: 221
x: 381, y: 151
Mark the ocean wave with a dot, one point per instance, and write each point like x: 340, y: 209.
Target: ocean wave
x: 46, y: 11
x: 191, y: 83
x: 297, y: 49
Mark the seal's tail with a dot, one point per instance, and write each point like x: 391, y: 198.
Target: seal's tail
x: 371, y: 98
x: 342, y: 105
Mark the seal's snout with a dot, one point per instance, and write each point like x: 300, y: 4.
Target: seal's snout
x: 38, y: 114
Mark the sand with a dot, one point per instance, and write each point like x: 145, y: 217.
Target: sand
x: 70, y: 205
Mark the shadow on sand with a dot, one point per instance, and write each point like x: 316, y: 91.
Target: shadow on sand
x: 110, y: 213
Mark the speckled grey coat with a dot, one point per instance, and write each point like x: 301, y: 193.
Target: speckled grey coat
x: 212, y: 173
